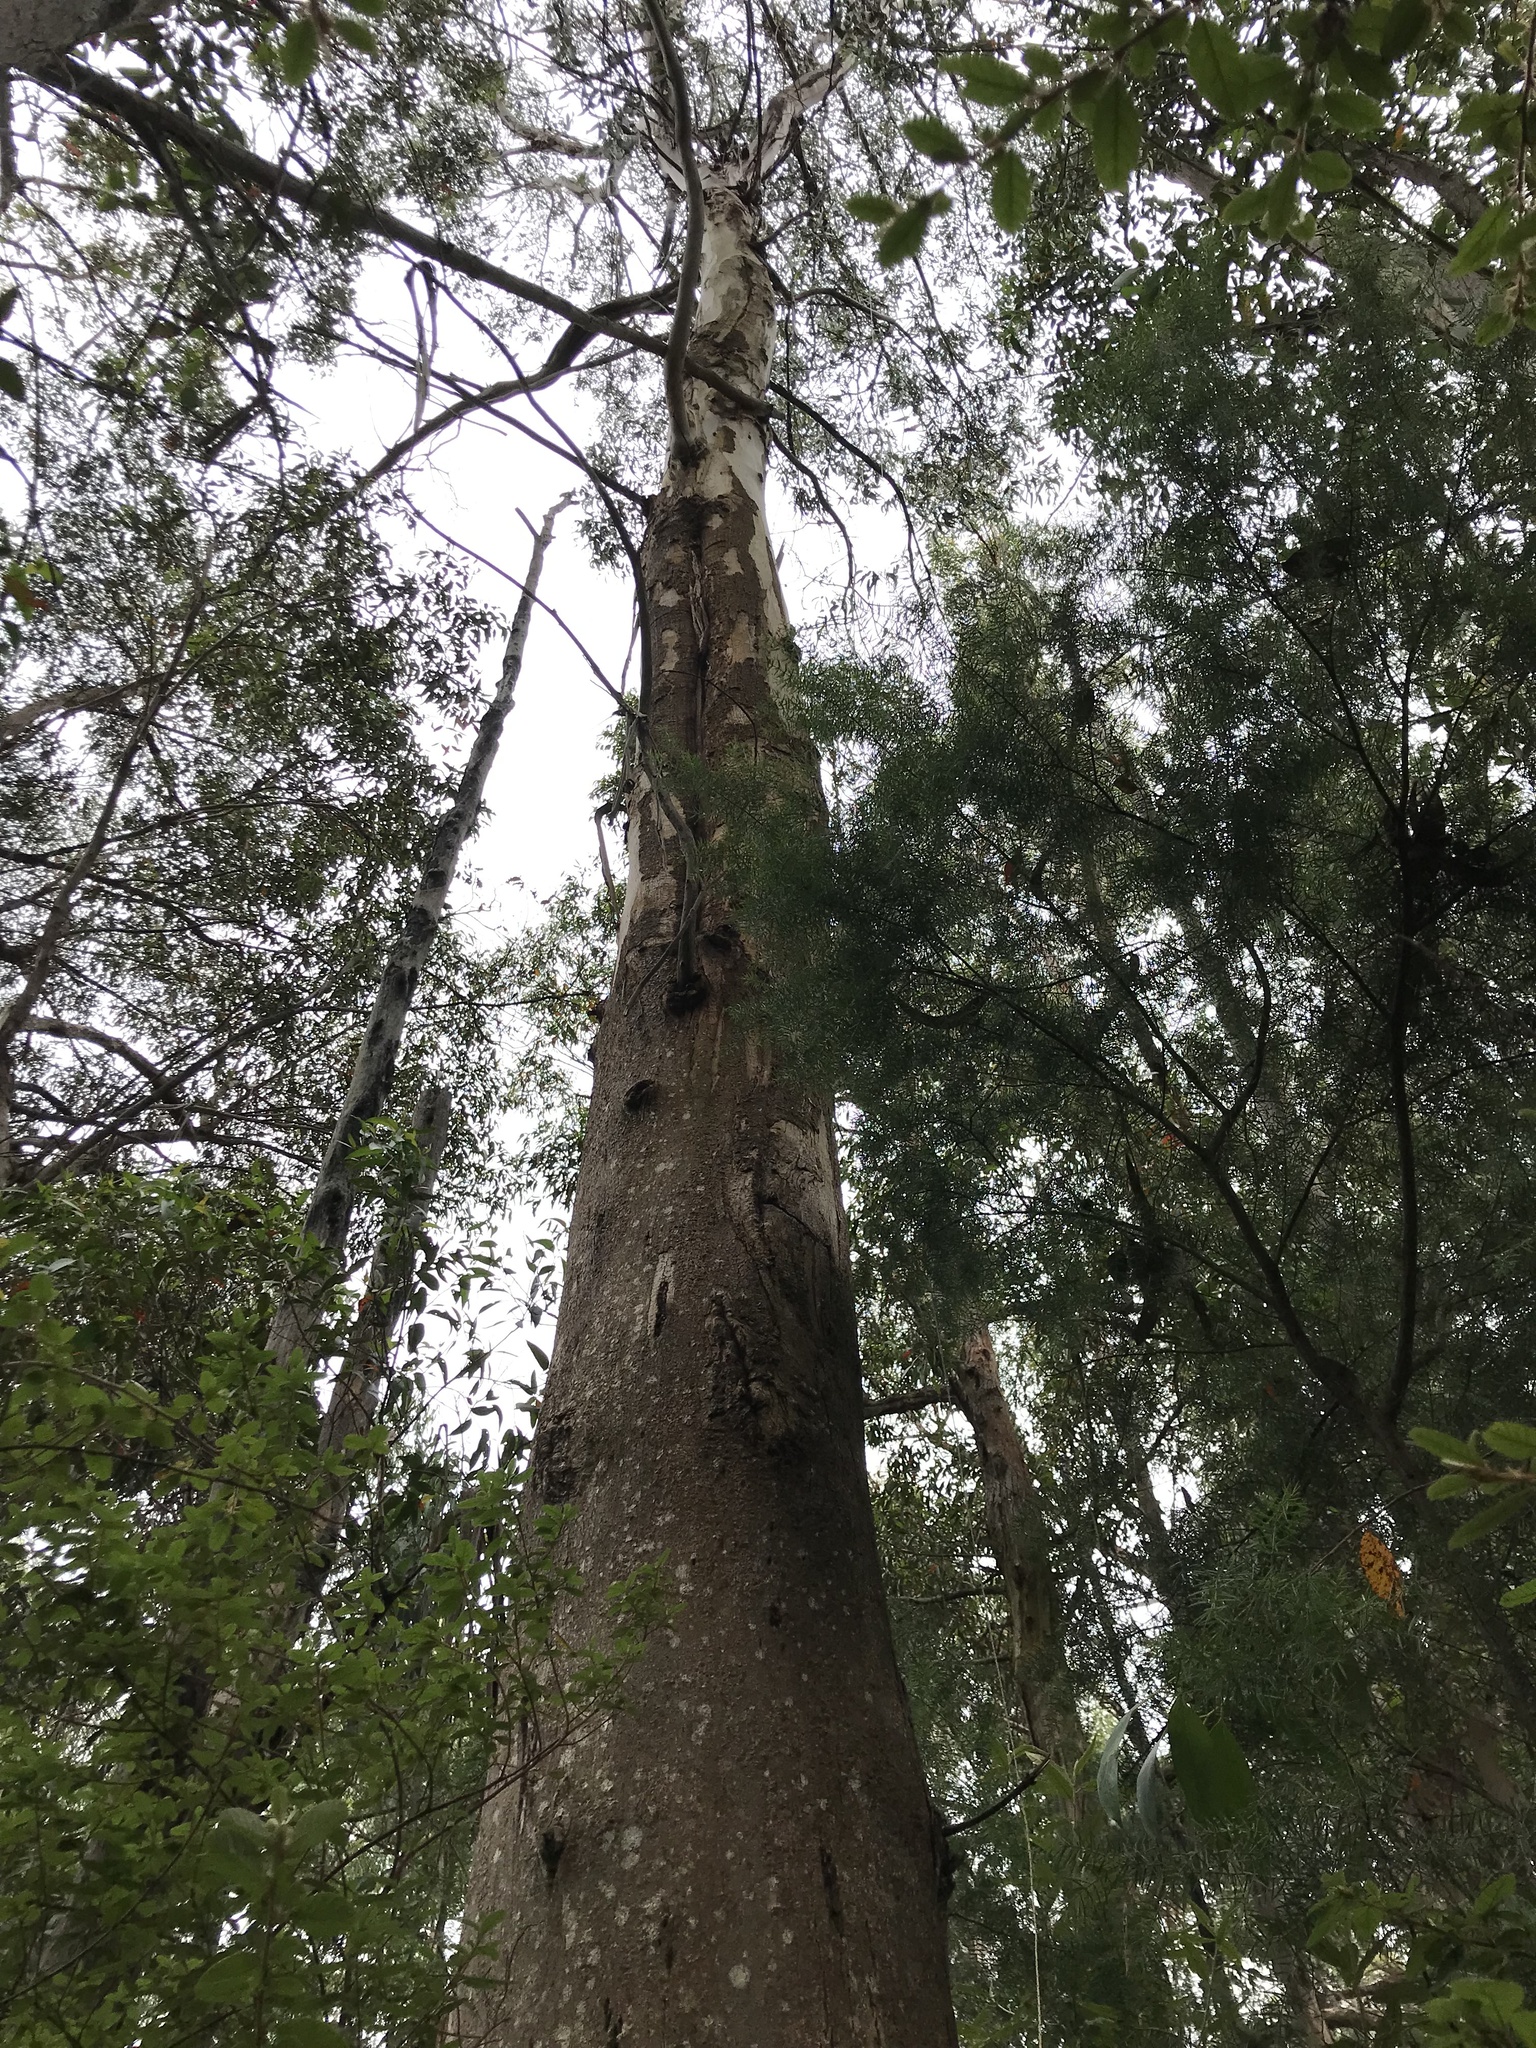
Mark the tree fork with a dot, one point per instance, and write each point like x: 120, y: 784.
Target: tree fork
x: 747, y: 1851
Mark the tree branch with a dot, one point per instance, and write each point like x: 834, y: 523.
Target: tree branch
x: 239, y: 165
x: 974, y: 1820
x: 684, y: 440
x: 908, y: 1404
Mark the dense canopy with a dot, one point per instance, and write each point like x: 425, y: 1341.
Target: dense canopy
x: 1008, y: 1436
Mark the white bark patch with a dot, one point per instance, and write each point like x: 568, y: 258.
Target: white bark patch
x: 742, y: 645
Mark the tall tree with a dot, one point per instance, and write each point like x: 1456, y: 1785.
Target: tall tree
x: 752, y: 1836
x: 1179, y: 958
x: 704, y: 1399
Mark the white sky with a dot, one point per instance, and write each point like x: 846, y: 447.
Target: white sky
x: 471, y: 483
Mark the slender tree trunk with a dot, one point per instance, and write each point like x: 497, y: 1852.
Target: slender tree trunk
x: 746, y: 1853
x: 1020, y: 1544
x: 354, y: 1396
x: 329, y: 1215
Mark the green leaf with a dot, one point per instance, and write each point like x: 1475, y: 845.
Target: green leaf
x: 245, y: 1832
x: 1012, y: 190
x: 1055, y: 1780
x: 323, y: 1915
x: 1280, y: 198
x: 1212, y: 1771
x: 1503, y: 1508
x: 1147, y: 1790
x: 1116, y: 135
x: 357, y: 33
x: 233, y: 1977
x: 873, y: 208
x: 1519, y: 1596
x: 1492, y: 1895
x: 1451, y: 1450
x: 11, y: 381
x: 1109, y: 1769
x: 935, y: 139
x: 1354, y: 111
x: 1367, y: 71
x: 1450, y: 1484
x: 1326, y: 171
x: 299, y: 51
x: 1247, y: 207
x: 303, y: 2030
x: 316, y: 1824
x: 904, y: 237
x: 987, y: 79
x: 1405, y: 26
x: 1217, y: 67
x: 1511, y: 1439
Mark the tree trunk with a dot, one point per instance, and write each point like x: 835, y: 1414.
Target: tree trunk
x: 1020, y: 1544
x: 354, y: 1398
x: 747, y: 1852
x: 328, y: 1218
x: 34, y: 34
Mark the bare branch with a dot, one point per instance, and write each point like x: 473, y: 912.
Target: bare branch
x: 329, y: 1213
x: 20, y: 1007
x: 59, y: 1027
x: 784, y: 112
x: 908, y: 1404
x: 25, y: 716
x: 475, y: 401
x: 241, y: 166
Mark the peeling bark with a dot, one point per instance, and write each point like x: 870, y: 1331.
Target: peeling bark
x: 747, y: 1852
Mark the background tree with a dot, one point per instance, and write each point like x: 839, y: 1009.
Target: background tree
x: 1174, y: 955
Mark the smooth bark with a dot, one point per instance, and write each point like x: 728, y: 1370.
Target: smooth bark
x: 1020, y: 1543
x: 329, y: 1214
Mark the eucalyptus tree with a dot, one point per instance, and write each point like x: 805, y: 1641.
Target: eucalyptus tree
x: 772, y: 1851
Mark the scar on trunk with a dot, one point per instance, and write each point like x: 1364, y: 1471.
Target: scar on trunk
x: 556, y: 1474
x: 661, y: 1294
x: 832, y: 1889
x: 743, y: 1390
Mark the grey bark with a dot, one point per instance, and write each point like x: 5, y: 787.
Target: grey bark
x: 746, y: 1853
x: 36, y: 33
x: 329, y: 1215
x: 354, y: 1398
x: 1020, y: 1543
